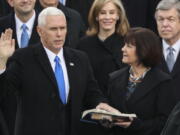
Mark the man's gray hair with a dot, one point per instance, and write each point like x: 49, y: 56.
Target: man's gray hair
x: 47, y: 12
x: 168, y: 4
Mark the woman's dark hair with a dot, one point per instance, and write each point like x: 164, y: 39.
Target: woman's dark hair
x: 148, y: 45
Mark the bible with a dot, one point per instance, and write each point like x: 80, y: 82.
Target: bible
x: 95, y: 115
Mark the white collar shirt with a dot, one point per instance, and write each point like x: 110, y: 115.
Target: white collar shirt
x: 175, y: 46
x: 51, y: 57
x: 29, y: 24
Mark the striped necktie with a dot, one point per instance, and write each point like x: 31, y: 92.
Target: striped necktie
x: 24, y: 36
x: 170, y: 58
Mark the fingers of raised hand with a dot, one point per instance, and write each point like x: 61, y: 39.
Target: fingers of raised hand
x: 6, y: 38
x: 7, y: 35
x: 2, y: 36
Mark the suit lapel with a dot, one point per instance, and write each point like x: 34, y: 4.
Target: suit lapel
x: 176, y: 68
x: 71, y: 69
x: 13, y: 26
x: 34, y: 35
x: 118, y: 91
x: 163, y: 65
x: 46, y: 66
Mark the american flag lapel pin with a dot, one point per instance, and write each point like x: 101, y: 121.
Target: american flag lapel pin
x: 71, y: 64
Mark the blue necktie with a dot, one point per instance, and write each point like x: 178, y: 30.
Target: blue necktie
x: 60, y: 79
x: 170, y: 58
x: 62, y: 2
x: 24, y: 36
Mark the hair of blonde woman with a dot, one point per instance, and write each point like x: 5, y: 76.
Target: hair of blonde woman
x: 47, y: 12
x: 122, y: 24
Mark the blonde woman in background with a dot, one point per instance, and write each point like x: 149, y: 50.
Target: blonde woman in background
x: 107, y: 26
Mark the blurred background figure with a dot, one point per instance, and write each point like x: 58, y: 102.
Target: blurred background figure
x: 140, y: 13
x: 168, y: 24
x: 5, y: 8
x: 107, y: 26
x: 140, y: 88
x: 23, y: 22
x: 76, y: 27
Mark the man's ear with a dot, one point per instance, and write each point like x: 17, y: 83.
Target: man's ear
x: 10, y: 2
x: 39, y: 30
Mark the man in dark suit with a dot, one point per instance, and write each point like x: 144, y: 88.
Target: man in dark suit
x: 24, y: 13
x: 3, y: 126
x: 76, y: 28
x: 168, y: 24
x: 32, y: 75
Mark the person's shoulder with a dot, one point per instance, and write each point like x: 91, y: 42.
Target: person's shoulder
x: 73, y: 12
x: 69, y: 13
x: 121, y: 72
x: 74, y: 52
x: 6, y: 17
x: 88, y: 38
x: 160, y: 75
x: 6, y: 21
x: 86, y: 41
x: 23, y: 53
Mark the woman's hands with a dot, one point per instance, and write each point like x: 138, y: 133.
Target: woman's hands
x: 109, y: 122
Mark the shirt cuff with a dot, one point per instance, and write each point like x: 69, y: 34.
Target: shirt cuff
x: 2, y: 71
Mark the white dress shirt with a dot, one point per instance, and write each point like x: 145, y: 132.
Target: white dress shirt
x: 175, y: 46
x: 51, y: 57
x: 29, y: 24
x: 2, y: 71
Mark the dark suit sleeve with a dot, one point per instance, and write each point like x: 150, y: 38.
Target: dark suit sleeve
x: 163, y: 106
x: 3, y: 126
x: 11, y: 78
x: 93, y: 95
x: 172, y: 125
x: 9, y: 87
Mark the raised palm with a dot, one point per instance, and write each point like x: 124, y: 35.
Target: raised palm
x: 7, y: 45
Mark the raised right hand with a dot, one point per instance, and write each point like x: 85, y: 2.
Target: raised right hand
x: 7, y: 47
